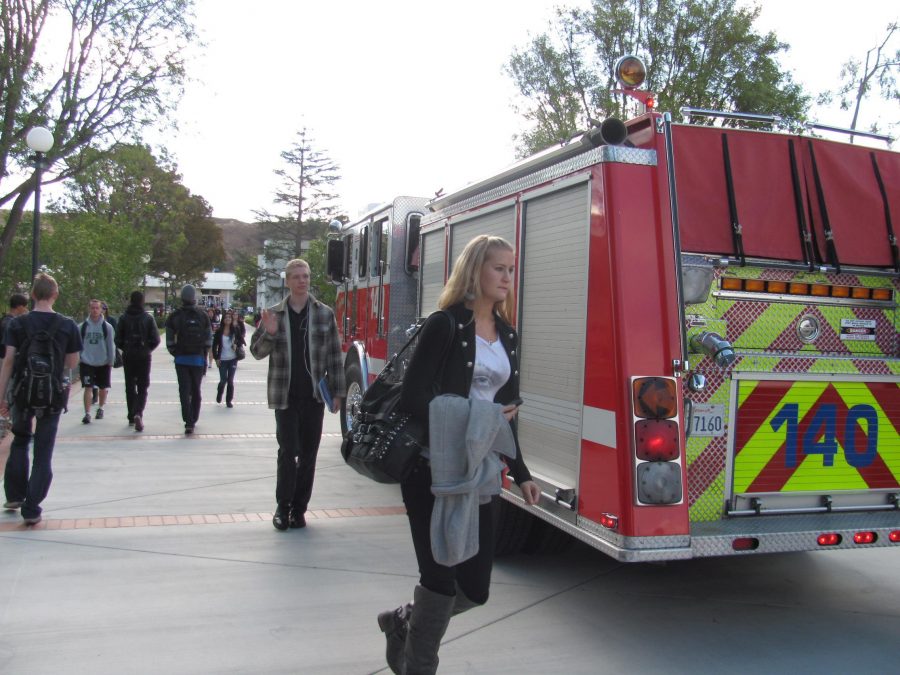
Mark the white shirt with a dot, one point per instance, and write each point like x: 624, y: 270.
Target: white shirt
x: 491, y: 369
x: 227, y: 353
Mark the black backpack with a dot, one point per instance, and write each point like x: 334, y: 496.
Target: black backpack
x: 39, y: 364
x: 135, y: 338
x: 192, y: 332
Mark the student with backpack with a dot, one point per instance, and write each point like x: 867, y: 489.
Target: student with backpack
x: 97, y: 357
x: 188, y: 337
x: 39, y: 346
x: 137, y: 336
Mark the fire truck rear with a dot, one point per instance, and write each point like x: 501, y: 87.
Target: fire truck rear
x: 710, y: 359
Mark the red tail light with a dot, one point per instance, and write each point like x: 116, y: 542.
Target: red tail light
x: 865, y: 538
x: 609, y: 521
x: 829, y: 539
x: 656, y: 440
x: 894, y: 536
x: 745, y: 544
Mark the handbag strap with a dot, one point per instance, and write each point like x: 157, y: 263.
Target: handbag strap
x: 389, y: 366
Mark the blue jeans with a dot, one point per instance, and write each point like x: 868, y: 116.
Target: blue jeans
x: 19, y: 487
x: 227, y: 369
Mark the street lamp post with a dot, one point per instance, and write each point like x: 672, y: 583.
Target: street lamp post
x: 282, y: 284
x: 40, y: 140
x: 165, y: 276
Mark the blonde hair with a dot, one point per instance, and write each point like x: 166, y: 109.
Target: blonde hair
x: 44, y: 287
x: 296, y: 262
x: 465, y: 279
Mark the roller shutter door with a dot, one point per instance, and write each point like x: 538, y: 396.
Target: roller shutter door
x: 432, y: 271
x: 501, y: 223
x: 553, y: 324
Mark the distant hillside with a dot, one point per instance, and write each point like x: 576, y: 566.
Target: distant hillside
x: 238, y: 236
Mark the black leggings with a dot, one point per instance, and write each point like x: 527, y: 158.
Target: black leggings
x: 472, y: 575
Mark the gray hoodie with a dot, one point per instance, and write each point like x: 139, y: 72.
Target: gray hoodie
x: 97, y: 350
x: 465, y: 470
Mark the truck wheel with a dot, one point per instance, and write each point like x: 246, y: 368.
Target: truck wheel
x: 351, y: 401
x: 544, y: 538
x: 511, y: 529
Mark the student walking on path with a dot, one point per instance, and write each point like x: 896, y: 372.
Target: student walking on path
x: 137, y: 337
x: 188, y: 337
x: 227, y: 350
x: 22, y: 332
x: 97, y: 357
x: 301, y: 339
x: 481, y: 365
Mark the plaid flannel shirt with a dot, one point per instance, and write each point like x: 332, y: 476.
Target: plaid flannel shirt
x: 325, y: 356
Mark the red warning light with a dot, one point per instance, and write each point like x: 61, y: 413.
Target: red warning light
x: 865, y: 538
x: 829, y: 539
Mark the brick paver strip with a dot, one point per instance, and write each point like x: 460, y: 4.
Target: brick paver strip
x: 169, y: 437
x: 193, y: 519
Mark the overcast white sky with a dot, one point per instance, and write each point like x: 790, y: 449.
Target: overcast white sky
x: 407, y: 96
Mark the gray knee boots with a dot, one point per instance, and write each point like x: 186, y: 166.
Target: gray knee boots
x: 402, y: 626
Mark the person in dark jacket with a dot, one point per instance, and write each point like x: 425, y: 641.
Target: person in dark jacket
x: 188, y: 337
x: 137, y: 336
x: 481, y: 363
x: 227, y: 347
x: 18, y: 305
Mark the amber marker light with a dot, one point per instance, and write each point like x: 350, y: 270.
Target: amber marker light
x: 840, y: 291
x: 756, y: 285
x: 777, y: 287
x: 654, y: 398
x: 881, y: 294
x: 859, y: 293
x: 820, y: 290
x: 798, y: 289
x: 630, y: 72
x: 731, y: 284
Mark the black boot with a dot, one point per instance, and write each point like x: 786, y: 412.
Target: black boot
x: 394, y: 623
x: 427, y: 625
x: 219, y: 392
x: 229, y: 395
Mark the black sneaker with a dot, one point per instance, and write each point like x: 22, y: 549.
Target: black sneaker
x: 297, y: 520
x: 188, y: 429
x: 138, y: 423
x: 32, y: 520
x: 280, y: 519
x: 99, y: 415
x: 86, y: 419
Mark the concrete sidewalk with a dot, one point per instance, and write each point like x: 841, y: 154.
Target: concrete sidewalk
x: 157, y: 555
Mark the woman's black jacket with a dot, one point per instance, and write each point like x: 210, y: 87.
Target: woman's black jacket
x: 428, y: 375
x: 237, y: 330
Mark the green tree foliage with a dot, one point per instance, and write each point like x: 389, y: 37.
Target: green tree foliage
x: 89, y: 256
x: 129, y: 186
x: 119, y: 69
x: 306, y: 194
x: 320, y: 286
x: 699, y: 53
x: 247, y: 273
x: 879, y: 70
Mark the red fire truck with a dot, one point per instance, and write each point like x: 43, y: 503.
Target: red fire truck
x: 710, y: 360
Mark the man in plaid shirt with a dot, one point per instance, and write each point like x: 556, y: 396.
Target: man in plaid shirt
x: 301, y: 339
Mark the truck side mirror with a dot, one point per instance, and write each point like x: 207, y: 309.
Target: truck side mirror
x: 335, y: 261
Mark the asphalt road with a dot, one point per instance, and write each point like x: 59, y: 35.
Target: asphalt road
x: 157, y: 555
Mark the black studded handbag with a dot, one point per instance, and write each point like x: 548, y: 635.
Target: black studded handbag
x: 383, y: 443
